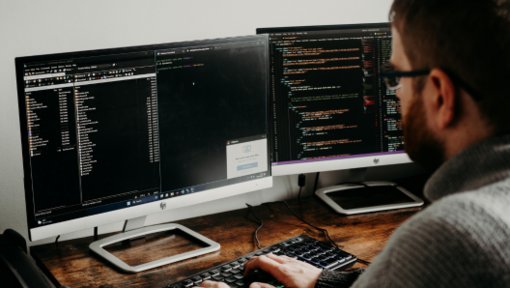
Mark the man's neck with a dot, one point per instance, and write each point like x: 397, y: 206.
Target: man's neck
x: 479, y: 165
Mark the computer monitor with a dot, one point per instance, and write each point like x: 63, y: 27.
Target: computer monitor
x: 117, y: 134
x: 330, y: 108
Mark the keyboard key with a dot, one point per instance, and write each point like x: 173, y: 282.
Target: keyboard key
x: 313, y: 249
x: 234, y: 264
x: 235, y: 271
x: 307, y: 256
x: 241, y: 260
x: 214, y: 272
x: 205, y: 276
x: 218, y: 278
x: 226, y: 268
x: 240, y: 283
x: 226, y: 274
x: 328, y: 263
x: 238, y: 277
x: 230, y: 280
x: 187, y: 283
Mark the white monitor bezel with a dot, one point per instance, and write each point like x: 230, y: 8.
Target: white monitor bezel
x: 324, y: 165
x: 77, y: 224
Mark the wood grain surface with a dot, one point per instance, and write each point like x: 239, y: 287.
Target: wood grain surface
x: 73, y: 265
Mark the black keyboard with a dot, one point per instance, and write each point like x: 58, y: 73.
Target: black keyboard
x: 319, y: 254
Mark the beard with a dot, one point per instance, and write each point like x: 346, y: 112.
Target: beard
x: 421, y: 144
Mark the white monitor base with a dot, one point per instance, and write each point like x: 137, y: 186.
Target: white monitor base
x: 97, y: 246
x: 322, y: 193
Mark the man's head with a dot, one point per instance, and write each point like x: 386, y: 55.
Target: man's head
x: 464, y: 43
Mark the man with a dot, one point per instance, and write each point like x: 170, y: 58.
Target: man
x: 453, y: 58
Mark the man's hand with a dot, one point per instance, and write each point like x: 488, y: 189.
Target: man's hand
x: 290, y: 272
x: 212, y: 284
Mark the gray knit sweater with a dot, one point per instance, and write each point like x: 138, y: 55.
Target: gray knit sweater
x: 461, y: 240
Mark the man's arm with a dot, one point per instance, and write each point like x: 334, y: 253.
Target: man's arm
x: 444, y: 245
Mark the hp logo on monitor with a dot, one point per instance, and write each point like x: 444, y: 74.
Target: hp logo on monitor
x: 376, y: 161
x: 162, y: 205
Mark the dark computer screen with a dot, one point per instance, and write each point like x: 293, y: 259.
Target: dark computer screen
x: 208, y: 96
x: 356, y: 198
x: 110, y: 129
x: 327, y: 99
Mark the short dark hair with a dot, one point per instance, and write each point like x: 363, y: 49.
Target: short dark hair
x: 470, y: 38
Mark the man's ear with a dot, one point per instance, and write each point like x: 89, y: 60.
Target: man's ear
x: 443, y: 101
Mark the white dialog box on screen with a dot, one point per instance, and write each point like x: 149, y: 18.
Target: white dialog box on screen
x: 246, y: 158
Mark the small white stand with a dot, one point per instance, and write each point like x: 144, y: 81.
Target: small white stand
x: 355, y: 178
x: 132, y: 230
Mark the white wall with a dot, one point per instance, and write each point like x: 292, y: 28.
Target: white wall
x: 53, y: 26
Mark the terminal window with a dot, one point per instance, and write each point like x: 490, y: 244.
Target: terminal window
x: 327, y: 98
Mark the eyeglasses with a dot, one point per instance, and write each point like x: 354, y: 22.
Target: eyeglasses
x: 392, y: 77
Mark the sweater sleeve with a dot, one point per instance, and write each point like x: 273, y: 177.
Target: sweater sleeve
x: 337, y: 279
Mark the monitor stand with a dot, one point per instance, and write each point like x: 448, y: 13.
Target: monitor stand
x: 385, y: 196
x: 134, y: 229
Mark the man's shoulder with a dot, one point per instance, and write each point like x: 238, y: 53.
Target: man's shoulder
x: 459, y: 240
x: 472, y: 226
x: 484, y: 209
x: 488, y: 204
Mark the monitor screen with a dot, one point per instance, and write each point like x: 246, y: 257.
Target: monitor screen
x: 111, y: 130
x: 330, y: 108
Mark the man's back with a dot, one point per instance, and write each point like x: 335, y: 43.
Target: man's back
x: 461, y: 240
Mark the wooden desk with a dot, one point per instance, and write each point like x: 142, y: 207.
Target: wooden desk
x: 73, y: 265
